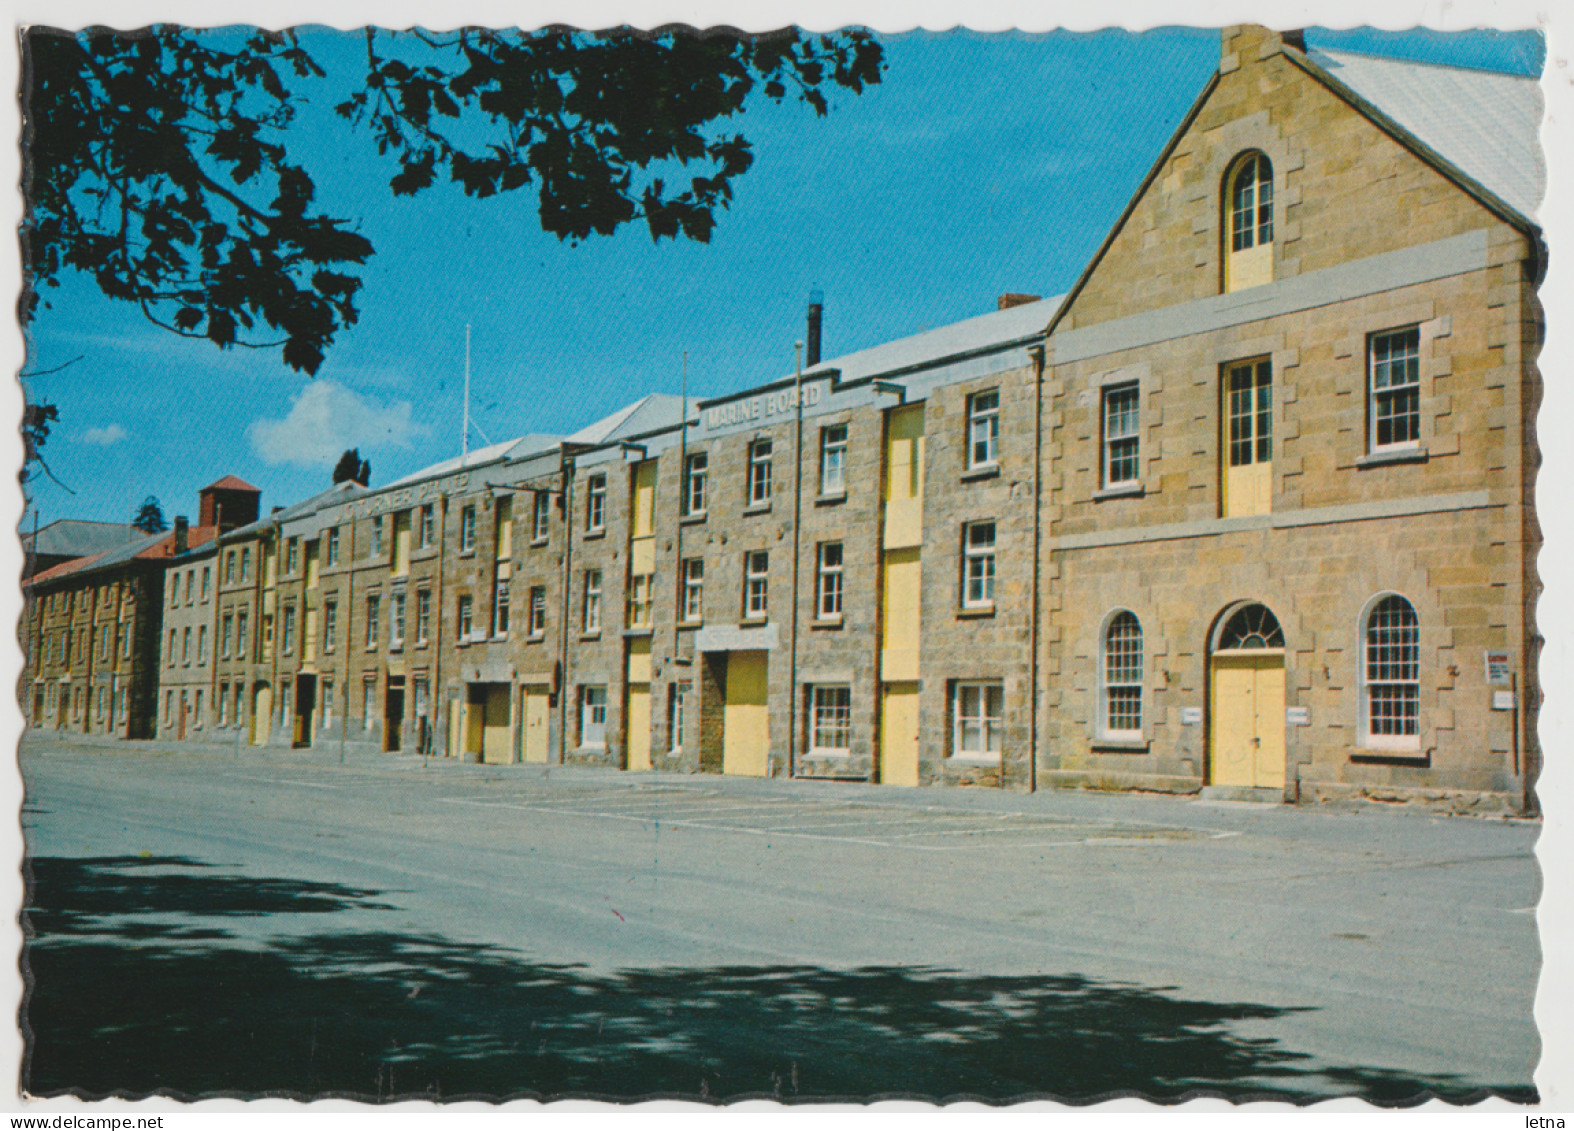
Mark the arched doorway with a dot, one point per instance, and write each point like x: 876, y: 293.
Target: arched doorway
x: 1246, y: 700
x: 261, y: 714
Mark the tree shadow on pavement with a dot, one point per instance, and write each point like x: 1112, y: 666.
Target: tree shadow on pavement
x: 127, y: 1006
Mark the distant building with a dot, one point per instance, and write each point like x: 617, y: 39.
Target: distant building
x: 68, y: 539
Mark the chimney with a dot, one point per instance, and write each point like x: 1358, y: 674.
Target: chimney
x: 812, y: 341
x: 1295, y: 38
x: 1011, y: 298
x: 181, y: 527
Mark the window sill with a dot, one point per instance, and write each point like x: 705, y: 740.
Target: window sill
x: 690, y: 625
x: 983, y: 471
x: 638, y: 633
x: 757, y: 508
x: 823, y: 752
x: 1397, y: 455
x: 828, y: 624
x: 749, y: 622
x: 470, y: 553
x: 1390, y: 755
x: 537, y: 543
x: 1121, y: 745
x: 831, y: 499
x: 975, y: 759
x: 1123, y: 491
x: 596, y: 635
x: 975, y: 612
x: 535, y: 638
x: 594, y: 535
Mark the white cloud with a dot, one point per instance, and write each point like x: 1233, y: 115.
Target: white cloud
x: 324, y: 419
x: 103, y: 437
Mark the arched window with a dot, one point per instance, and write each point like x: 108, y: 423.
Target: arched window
x: 1121, y: 676
x: 1251, y: 626
x: 1248, y: 247
x: 1390, y: 668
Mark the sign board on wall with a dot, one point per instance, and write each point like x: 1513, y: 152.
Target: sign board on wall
x: 1500, y: 667
x: 1191, y: 716
x: 1298, y: 716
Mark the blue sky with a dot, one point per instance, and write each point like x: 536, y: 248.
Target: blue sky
x: 983, y: 163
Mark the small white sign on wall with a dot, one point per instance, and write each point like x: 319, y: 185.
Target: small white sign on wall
x: 1191, y: 716
x: 1502, y: 700
x: 1298, y: 716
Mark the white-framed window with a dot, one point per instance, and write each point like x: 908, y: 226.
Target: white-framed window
x: 592, y: 617
x: 593, y: 715
x: 828, y: 582
x: 325, y: 700
x: 830, y: 720
x: 693, y: 589
x: 538, y: 610
x: 467, y: 529
x: 191, y: 575
x: 287, y: 632
x: 756, y: 584
x: 202, y: 644
x: 759, y: 486
x: 185, y: 646
x: 242, y: 634
x: 376, y: 550
x: 833, y: 459
x: 696, y: 477
x: 224, y: 704
x: 1251, y: 203
x: 540, y: 517
x: 596, y: 503
x: 1393, y: 367
x: 368, y: 702
x: 1120, y: 677
x: 500, y: 606
x: 977, y: 712
x: 206, y: 578
x: 1391, y: 674
x: 639, y: 600
x: 396, y: 621
x: 196, y: 708
x: 676, y: 693
x: 423, y: 615
x: 978, y: 565
x: 226, y: 635
x: 466, y: 617
x: 428, y: 524
x: 239, y: 704
x: 330, y: 625
x: 1122, y: 443
x: 229, y: 568
x: 292, y: 556
x: 169, y: 707
x: 333, y: 545
x: 374, y: 608
x: 983, y: 429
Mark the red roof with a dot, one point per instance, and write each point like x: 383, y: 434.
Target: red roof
x: 232, y: 483
x: 164, y: 548
x: 63, y: 568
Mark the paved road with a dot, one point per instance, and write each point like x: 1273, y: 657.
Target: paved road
x: 385, y: 927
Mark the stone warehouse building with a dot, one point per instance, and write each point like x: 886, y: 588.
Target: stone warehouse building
x: 1250, y: 508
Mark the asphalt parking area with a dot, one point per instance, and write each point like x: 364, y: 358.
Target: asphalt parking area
x: 916, y: 828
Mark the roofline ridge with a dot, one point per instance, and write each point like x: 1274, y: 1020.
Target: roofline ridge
x: 1312, y: 48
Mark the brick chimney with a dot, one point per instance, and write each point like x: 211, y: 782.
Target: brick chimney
x: 182, y: 526
x: 1011, y: 298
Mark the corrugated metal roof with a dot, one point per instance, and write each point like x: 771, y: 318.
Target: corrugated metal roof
x: 969, y: 336
x: 335, y: 494
x: 517, y: 448
x: 78, y: 538
x: 648, y: 414
x: 1483, y: 122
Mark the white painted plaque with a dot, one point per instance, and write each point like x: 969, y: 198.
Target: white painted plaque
x: 1502, y: 700
x: 1191, y: 716
x: 1298, y: 716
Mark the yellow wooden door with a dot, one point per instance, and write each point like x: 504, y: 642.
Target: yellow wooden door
x: 745, y: 717
x: 637, y: 722
x: 535, y: 712
x: 1248, y: 439
x: 901, y: 592
x: 496, y: 735
x: 261, y: 715
x: 1248, y: 721
x: 456, y: 726
x: 904, y: 477
x: 899, y: 734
